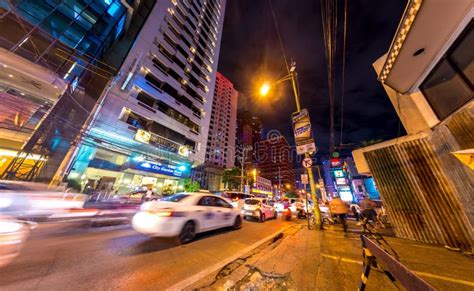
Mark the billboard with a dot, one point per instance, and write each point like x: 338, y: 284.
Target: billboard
x: 302, y: 132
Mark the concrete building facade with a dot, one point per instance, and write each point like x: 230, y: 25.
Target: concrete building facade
x: 152, y: 125
x: 275, y: 162
x: 220, y: 150
x: 427, y: 75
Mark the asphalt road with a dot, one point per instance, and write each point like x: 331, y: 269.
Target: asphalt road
x: 70, y: 257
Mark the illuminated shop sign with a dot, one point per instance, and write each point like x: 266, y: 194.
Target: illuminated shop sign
x: 258, y: 191
x: 346, y: 195
x: 339, y: 174
x: 183, y: 151
x: 335, y: 162
x: 147, y: 137
x: 341, y: 181
x: 170, y: 170
x: 143, y: 136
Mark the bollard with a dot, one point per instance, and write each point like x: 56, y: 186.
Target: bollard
x: 369, y: 260
x: 395, y: 270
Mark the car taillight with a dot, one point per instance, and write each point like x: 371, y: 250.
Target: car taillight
x: 165, y: 213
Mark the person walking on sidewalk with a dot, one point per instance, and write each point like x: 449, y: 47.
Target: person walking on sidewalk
x: 368, y: 209
x: 339, y: 208
x: 355, y: 210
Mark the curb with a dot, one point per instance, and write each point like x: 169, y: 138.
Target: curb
x: 193, y: 279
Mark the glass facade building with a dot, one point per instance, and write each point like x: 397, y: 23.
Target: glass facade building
x: 56, y: 58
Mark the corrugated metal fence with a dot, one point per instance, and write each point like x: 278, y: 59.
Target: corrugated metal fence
x: 420, y: 197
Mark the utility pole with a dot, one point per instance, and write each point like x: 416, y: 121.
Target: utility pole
x: 263, y: 91
x: 279, y: 180
x: 317, y: 214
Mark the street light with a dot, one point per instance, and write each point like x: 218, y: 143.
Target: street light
x: 264, y: 90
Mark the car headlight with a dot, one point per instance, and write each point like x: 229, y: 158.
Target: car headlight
x: 10, y: 226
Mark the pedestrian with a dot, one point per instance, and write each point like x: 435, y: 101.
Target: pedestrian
x: 339, y: 208
x: 368, y: 208
x: 148, y: 195
x: 355, y: 210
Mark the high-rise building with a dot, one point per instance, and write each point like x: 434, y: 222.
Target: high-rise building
x: 274, y: 158
x: 248, y: 135
x: 152, y: 125
x: 51, y: 75
x: 220, y: 149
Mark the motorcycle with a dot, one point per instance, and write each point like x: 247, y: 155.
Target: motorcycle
x: 301, y: 213
x: 286, y: 214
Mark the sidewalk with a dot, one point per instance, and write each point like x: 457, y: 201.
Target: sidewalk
x: 328, y: 260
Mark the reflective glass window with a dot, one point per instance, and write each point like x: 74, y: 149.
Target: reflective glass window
x: 449, y: 85
x: 56, y: 24
x: 462, y: 55
x: 75, y: 33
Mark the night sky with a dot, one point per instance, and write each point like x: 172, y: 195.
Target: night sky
x: 250, y: 53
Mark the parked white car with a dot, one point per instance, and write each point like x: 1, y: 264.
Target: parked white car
x: 237, y: 198
x: 13, y: 234
x: 258, y: 208
x: 183, y: 215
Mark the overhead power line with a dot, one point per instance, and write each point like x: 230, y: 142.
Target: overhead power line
x: 329, y: 23
x: 343, y: 71
x: 275, y: 22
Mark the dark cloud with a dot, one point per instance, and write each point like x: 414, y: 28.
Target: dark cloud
x: 250, y: 53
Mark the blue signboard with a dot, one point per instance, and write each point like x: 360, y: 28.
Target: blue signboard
x: 371, y: 188
x: 171, y: 170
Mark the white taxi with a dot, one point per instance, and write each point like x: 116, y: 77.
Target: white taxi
x: 183, y: 215
x: 259, y: 208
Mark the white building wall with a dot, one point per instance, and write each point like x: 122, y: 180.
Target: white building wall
x: 139, y: 62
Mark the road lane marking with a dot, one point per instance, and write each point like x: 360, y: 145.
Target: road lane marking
x: 342, y: 259
x: 423, y: 274
x: 449, y: 279
x: 193, y: 279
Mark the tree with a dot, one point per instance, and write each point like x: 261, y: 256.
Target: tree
x: 167, y: 190
x: 74, y: 184
x: 231, y: 178
x: 291, y: 194
x: 190, y: 185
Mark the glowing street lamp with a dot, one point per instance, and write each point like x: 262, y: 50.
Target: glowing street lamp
x: 265, y: 89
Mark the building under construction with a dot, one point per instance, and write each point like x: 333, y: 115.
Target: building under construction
x: 56, y: 59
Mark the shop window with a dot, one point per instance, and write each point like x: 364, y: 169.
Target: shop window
x: 449, y: 85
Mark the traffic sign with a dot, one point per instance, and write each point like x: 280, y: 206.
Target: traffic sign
x: 304, y: 179
x: 307, y: 162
